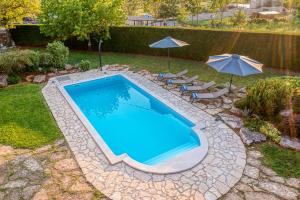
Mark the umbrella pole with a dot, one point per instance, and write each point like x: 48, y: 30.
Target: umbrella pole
x: 169, y: 67
x: 230, y: 83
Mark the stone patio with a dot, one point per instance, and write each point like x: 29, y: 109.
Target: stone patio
x: 220, y: 170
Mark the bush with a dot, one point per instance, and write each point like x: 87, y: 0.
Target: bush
x: 84, y: 65
x: 268, y: 97
x: 266, y: 128
x: 18, y: 61
x: 13, y: 79
x: 259, y: 21
x: 271, y: 132
x: 239, y: 18
x: 59, y: 54
x: 45, y: 61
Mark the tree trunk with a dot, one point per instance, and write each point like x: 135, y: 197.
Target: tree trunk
x: 89, y: 43
x: 197, y: 18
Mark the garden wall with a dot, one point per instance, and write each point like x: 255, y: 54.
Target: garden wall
x: 274, y: 50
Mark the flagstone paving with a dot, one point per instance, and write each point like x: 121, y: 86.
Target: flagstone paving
x: 52, y: 172
x: 214, y: 176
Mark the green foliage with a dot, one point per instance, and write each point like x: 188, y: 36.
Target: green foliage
x: 84, y: 65
x: 259, y: 21
x: 239, y: 18
x: 18, y: 60
x: 266, y: 128
x: 13, y: 12
x: 264, y: 47
x: 79, y: 18
x: 13, y: 79
x: 45, y: 61
x: 57, y: 55
x: 267, y: 98
x: 241, y: 103
x: 271, y: 132
x: 284, y: 162
x: 25, y: 119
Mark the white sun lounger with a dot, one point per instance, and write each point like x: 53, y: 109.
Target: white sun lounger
x: 211, y: 95
x: 193, y: 88
x: 163, y: 76
x: 182, y: 81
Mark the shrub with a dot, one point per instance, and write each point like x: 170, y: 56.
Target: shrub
x: 18, y: 61
x: 59, y: 54
x: 271, y: 132
x: 266, y: 128
x: 84, y: 65
x: 267, y: 98
x: 241, y: 103
x: 239, y: 18
x: 259, y: 21
x: 13, y: 79
x: 45, y: 61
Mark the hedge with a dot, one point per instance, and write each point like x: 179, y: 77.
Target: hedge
x: 274, y: 50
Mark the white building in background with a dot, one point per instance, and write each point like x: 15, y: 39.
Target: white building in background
x: 265, y: 3
x: 149, y: 20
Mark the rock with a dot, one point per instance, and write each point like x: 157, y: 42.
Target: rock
x: 290, y: 143
x: 63, y: 72
x: 236, y: 111
x: 226, y: 100
x: 32, y: 165
x: 243, y: 187
x: 66, y: 165
x: 3, y: 80
x: 259, y: 196
x: 39, y: 79
x: 68, y: 67
x: 43, y: 149
x: 2, y: 195
x: 267, y: 171
x: 255, y: 154
x: 293, y: 182
x: 15, y: 195
x: 51, y: 74
x: 15, y: 184
x: 28, y: 192
x: 232, y: 196
x: 59, y: 143
x: 253, y: 162
x: 279, y: 189
x: 198, y: 196
x: 251, y: 172
x: 80, y: 187
x: 243, y: 90
x: 231, y: 120
x: 250, y: 137
x: 3, y: 171
x: 6, y: 150
x: 41, y: 195
x: 29, y: 78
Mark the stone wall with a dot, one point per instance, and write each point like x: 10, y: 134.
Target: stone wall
x: 5, y: 39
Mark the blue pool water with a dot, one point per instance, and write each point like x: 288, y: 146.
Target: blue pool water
x: 132, y: 121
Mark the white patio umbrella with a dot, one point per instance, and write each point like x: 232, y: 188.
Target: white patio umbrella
x: 235, y: 64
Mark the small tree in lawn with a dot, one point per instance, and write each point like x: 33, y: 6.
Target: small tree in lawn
x: 221, y: 6
x: 80, y: 18
x: 14, y: 11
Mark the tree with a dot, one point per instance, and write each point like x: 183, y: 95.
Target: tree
x: 80, y: 18
x: 221, y: 6
x: 194, y: 7
x: 12, y: 12
x: 172, y: 8
x: 134, y: 7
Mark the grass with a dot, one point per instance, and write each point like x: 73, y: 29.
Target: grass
x: 156, y: 64
x: 25, y: 121
x: 284, y: 162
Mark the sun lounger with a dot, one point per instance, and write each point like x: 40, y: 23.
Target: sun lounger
x: 193, y: 88
x: 182, y: 81
x: 163, y: 76
x: 211, y: 95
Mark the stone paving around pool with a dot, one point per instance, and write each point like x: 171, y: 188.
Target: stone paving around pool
x: 220, y: 170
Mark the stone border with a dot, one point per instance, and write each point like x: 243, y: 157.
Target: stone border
x: 175, y: 164
x: 220, y: 170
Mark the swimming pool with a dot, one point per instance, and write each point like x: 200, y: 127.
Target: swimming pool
x: 132, y: 125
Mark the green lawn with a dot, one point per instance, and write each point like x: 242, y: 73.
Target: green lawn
x: 25, y: 121
x: 159, y: 64
x: 284, y: 162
